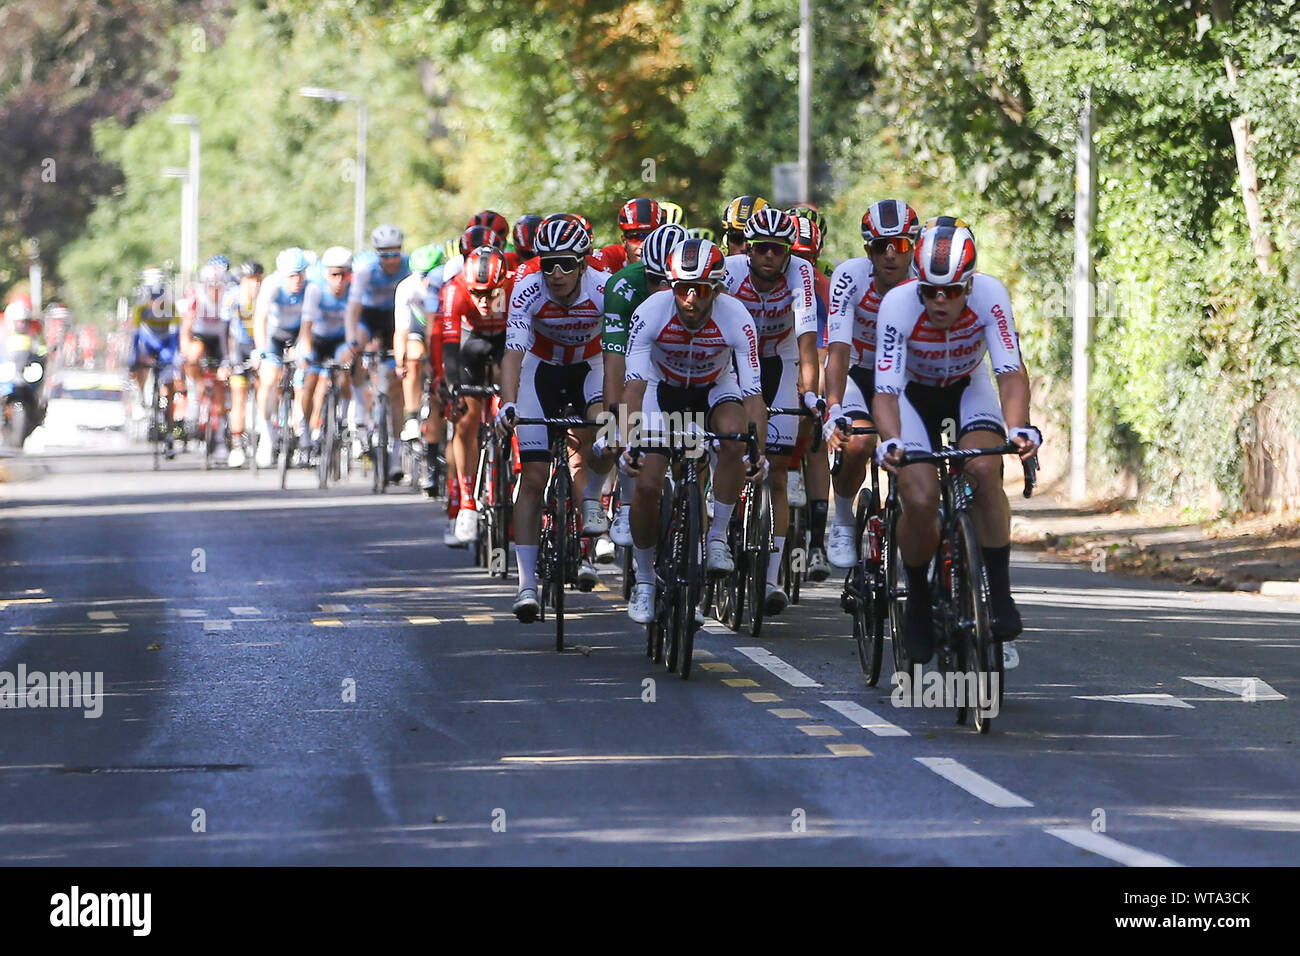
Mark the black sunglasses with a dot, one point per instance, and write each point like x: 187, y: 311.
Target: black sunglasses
x: 564, y: 264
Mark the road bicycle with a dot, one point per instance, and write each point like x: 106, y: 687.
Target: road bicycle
x: 211, y: 424
x: 493, y: 484
x: 380, y: 445
x: 679, y: 557
x: 798, y: 537
x: 334, y: 456
x: 286, y: 438
x: 965, y: 647
x: 558, y: 553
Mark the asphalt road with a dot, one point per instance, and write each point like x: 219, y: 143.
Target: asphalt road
x: 308, y: 677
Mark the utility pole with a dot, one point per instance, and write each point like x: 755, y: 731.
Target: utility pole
x: 805, y: 99
x: 190, y: 202
x: 1085, y: 214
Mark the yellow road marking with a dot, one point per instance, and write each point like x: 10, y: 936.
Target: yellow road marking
x: 763, y: 697
x: 719, y: 667
x: 101, y: 615
x: 327, y: 622
x: 478, y: 618
x: 739, y: 682
x: 424, y: 620
x: 5, y: 604
x: 790, y: 713
x: 848, y: 750
x: 819, y: 730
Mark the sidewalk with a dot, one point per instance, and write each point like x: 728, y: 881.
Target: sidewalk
x: 1259, y: 554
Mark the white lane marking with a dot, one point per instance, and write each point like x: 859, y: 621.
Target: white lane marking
x: 246, y: 611
x: 1155, y: 700
x: 713, y: 627
x: 1247, y: 688
x: 866, y: 719
x: 1112, y: 849
x: 973, y: 783
x: 217, y: 626
x: 769, y: 661
x: 101, y: 615
x: 187, y: 612
x: 335, y: 608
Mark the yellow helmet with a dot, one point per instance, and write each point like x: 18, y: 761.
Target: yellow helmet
x: 672, y: 213
x: 739, y: 210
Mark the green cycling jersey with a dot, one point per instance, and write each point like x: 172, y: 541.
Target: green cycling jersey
x: 625, y: 290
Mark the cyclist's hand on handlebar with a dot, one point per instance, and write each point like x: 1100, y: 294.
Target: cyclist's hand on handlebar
x: 605, y: 446
x: 835, y: 430
x: 756, y: 471
x: 814, y: 403
x: 506, y: 417
x: 223, y: 372
x: 889, y: 454
x: 629, y: 463
x: 1028, y: 439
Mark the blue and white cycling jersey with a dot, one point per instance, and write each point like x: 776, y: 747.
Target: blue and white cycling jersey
x: 239, y: 314
x: 283, y: 308
x: 324, y: 310
x: 371, y: 286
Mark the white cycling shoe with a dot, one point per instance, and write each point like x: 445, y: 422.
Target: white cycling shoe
x: 466, y: 525
x: 642, y: 607
x: 840, y: 547
x: 776, y: 600
x: 411, y: 430
x: 794, y: 490
x: 718, y: 558
x: 264, y: 451
x: 818, y: 568
x: 604, y: 550
x: 588, y: 576
x: 526, y: 605
x: 1010, y: 656
x: 237, y: 458
x: 594, y: 520
x: 621, y: 531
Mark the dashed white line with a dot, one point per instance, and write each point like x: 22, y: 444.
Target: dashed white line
x: 769, y: 661
x: 335, y: 608
x: 866, y: 719
x: 1110, y: 848
x: 188, y: 612
x: 245, y: 611
x: 217, y: 626
x: 101, y: 615
x: 973, y: 783
x: 1247, y: 688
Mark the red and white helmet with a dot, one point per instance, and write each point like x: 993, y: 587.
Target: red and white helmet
x: 945, y: 255
x: 889, y: 218
x: 494, y: 221
x: 562, y: 236
x: 697, y: 260
x: 640, y: 215
x: 485, y: 269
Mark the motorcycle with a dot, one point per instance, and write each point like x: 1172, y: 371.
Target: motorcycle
x: 22, y: 389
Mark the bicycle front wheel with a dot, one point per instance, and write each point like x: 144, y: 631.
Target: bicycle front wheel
x: 868, y: 622
x: 975, y: 628
x: 895, y: 587
x: 325, y: 458
x: 561, y: 545
x: 380, y: 449
x: 758, y: 551
x: 286, y: 438
x: 690, y: 588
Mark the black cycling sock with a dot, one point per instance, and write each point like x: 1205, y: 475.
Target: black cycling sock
x: 817, y: 523
x: 918, y: 581
x: 997, y: 562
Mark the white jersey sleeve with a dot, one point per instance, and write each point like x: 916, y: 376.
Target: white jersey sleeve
x: 527, y: 297
x: 801, y: 278
x: 990, y: 300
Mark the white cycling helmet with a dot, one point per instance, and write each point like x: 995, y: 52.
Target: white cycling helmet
x: 387, y: 237
x: 659, y: 246
x: 291, y: 260
x: 337, y: 257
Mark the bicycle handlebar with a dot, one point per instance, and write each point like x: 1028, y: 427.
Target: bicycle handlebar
x: 838, y: 463
x: 805, y: 412
x: 1030, y: 465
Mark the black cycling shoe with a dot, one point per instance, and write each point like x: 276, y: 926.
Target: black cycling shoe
x: 1006, y: 622
x: 918, y: 630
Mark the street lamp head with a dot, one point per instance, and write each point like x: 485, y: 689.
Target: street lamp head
x: 321, y: 93
x: 183, y: 119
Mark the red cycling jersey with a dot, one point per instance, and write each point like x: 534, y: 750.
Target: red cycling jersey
x: 460, y: 313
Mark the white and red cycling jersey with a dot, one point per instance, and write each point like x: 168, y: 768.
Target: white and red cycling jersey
x: 661, y: 349
x: 557, y: 334
x: 203, y: 306
x: 910, y: 349
x: 782, y: 315
x: 854, y: 307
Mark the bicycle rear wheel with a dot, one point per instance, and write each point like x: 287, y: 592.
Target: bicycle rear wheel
x: 286, y: 437
x: 563, y: 506
x: 974, y: 627
x: 379, y: 450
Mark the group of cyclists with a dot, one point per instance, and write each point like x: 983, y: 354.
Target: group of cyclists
x: 661, y: 328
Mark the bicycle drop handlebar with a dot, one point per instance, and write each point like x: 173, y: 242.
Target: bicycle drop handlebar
x: 1030, y: 465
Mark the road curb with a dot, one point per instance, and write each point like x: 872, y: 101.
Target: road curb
x: 1287, y: 589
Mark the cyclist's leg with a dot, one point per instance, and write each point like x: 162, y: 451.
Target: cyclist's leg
x: 537, y: 388
x: 854, y: 457
x: 592, y: 471
x: 982, y: 426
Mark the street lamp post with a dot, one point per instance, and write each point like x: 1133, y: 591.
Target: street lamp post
x: 359, y: 201
x: 190, y: 222
x: 183, y: 174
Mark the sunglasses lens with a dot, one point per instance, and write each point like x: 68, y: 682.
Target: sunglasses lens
x: 389, y: 255
x: 701, y: 289
x: 949, y: 291
x: 564, y: 264
x: 769, y: 248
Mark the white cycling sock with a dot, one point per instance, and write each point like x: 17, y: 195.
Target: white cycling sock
x: 595, y: 484
x: 526, y: 562
x: 645, y: 565
x: 721, y: 518
x: 774, y: 562
x: 844, y: 515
